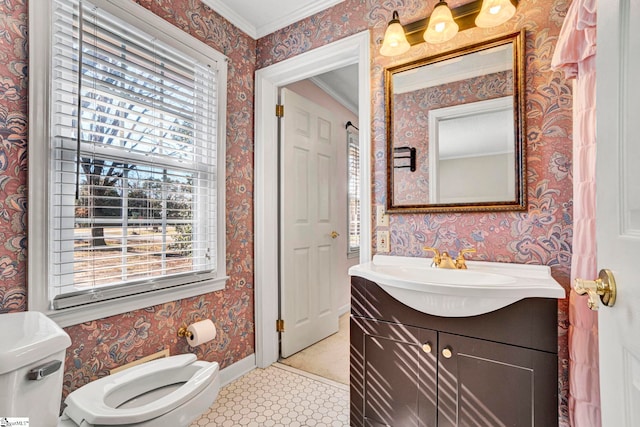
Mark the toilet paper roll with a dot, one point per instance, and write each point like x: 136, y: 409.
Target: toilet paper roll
x: 202, y: 332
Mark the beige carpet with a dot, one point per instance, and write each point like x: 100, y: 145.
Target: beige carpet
x: 328, y: 358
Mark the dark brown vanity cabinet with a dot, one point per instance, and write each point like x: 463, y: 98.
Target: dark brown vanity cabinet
x: 399, y: 378
x: 412, y: 369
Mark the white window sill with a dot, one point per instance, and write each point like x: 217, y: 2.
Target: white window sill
x: 99, y: 310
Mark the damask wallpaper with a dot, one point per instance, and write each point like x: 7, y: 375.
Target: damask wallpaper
x: 542, y: 235
x: 411, y: 126
x: 98, y: 346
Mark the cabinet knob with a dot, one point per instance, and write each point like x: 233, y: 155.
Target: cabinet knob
x: 426, y: 347
x: 447, y: 352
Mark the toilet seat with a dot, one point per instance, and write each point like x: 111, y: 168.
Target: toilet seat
x: 98, y: 402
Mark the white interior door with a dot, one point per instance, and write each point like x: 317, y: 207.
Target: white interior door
x: 308, y: 250
x: 618, y: 211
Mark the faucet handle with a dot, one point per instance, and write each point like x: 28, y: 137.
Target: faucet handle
x: 436, y: 257
x: 460, y: 261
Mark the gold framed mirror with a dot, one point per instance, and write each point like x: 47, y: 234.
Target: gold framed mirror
x: 455, y: 130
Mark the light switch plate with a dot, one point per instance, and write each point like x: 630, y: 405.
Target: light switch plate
x: 382, y: 219
x: 383, y: 241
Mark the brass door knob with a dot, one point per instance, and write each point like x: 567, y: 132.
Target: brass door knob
x: 334, y: 234
x: 447, y: 352
x: 426, y: 347
x: 604, y: 287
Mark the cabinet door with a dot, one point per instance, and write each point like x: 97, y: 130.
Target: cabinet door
x: 483, y: 383
x: 396, y: 373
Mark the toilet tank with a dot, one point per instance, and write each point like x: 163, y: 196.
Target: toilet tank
x: 32, y: 351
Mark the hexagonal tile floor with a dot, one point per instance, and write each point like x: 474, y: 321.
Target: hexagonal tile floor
x: 279, y: 396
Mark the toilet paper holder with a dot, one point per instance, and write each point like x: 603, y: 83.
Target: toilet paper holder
x: 183, y: 332
x: 199, y: 332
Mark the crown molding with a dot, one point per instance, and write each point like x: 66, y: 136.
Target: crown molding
x: 256, y: 32
x: 232, y: 16
x: 295, y: 16
x: 342, y: 100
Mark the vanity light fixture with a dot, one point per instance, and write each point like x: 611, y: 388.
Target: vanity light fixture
x: 395, y: 42
x: 444, y: 24
x: 495, y: 12
x: 441, y: 27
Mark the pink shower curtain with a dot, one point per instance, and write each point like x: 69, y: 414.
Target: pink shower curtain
x: 575, y: 55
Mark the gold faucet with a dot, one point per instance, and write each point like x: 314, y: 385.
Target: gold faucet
x: 460, y: 261
x: 444, y: 260
x: 436, y: 255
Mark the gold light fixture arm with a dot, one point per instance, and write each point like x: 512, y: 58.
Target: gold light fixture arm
x: 604, y: 287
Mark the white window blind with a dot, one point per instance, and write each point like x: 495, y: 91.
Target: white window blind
x: 133, y: 204
x: 353, y: 194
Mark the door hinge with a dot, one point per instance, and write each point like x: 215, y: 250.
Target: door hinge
x: 279, y: 325
x: 279, y: 110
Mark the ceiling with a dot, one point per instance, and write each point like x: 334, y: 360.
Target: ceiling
x: 259, y: 18
x: 341, y: 85
x: 262, y: 17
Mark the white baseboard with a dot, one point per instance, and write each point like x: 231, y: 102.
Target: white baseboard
x: 238, y: 369
x: 344, y: 309
x: 314, y: 377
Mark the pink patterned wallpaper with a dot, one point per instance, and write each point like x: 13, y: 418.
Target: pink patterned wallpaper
x: 542, y: 234
x: 411, y: 126
x: 13, y: 157
x: 101, y: 345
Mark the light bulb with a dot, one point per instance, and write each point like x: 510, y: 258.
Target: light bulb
x: 495, y: 12
x: 395, y: 42
x: 441, y: 26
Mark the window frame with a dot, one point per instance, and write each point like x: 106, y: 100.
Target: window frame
x: 353, y: 140
x: 39, y: 216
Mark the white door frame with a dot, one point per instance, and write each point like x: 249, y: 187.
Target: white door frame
x: 350, y: 50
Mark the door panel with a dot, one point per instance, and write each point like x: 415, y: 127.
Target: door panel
x: 301, y: 185
x: 391, y: 381
x: 618, y: 207
x: 493, y: 385
x: 398, y: 379
x: 325, y: 303
x: 322, y: 191
x: 301, y: 292
x: 308, y: 255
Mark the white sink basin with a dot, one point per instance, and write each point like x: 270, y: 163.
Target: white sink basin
x: 482, y: 288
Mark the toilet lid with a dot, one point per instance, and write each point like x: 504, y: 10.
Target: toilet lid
x: 89, y: 403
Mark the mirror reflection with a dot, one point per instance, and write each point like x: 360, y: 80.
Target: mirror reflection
x: 454, y: 131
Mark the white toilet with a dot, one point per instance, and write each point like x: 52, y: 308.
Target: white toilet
x: 173, y: 391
